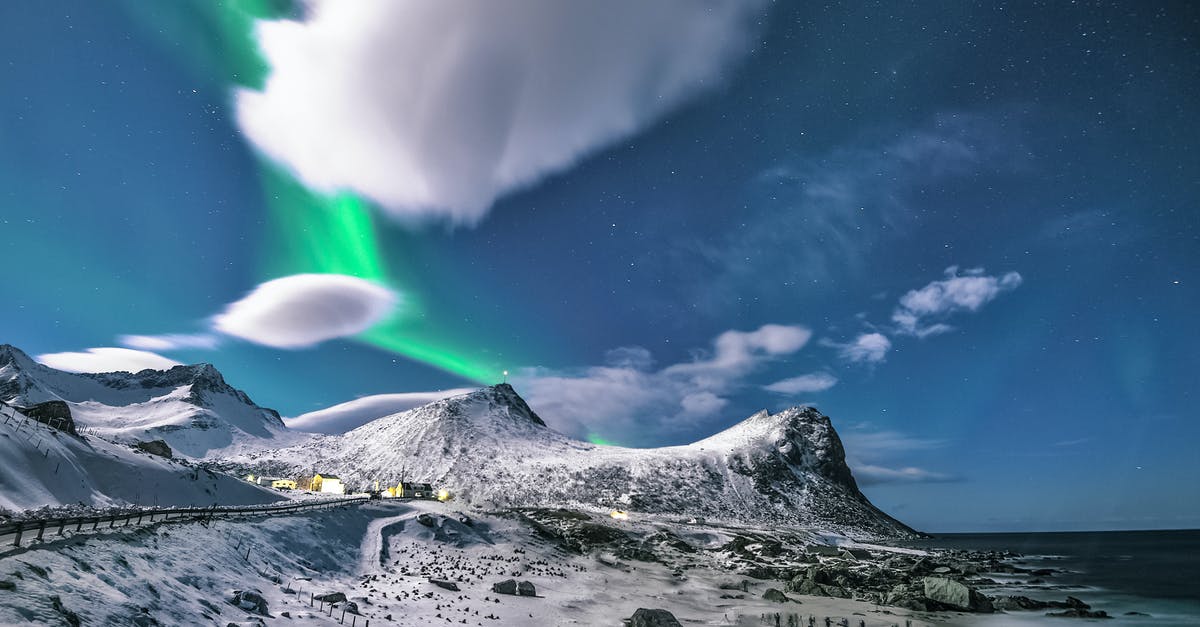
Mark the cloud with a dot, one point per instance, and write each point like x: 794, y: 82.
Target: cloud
x: 627, y: 395
x: 107, y: 359
x: 435, y: 109
x: 305, y: 309
x: 967, y: 292
x: 350, y: 415
x: 869, y: 348
x: 869, y: 451
x: 170, y: 341
x: 812, y: 221
x: 803, y: 384
x: 871, y: 474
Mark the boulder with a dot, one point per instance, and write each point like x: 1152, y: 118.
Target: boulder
x: 331, y: 597
x: 508, y: 586
x: 155, y: 447
x: 56, y: 414
x: 653, y: 618
x: 1079, y: 613
x: 251, y: 601
x: 526, y: 589
x: 442, y: 583
x: 956, y: 595
x: 774, y: 595
x: 425, y: 519
x: 351, y: 607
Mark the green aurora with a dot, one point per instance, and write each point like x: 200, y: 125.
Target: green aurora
x: 312, y: 233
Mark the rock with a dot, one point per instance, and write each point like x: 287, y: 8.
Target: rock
x: 856, y: 554
x: 466, y: 520
x: 352, y: 607
x: 775, y: 596
x: 526, y: 589
x: 425, y: 519
x: 508, y: 586
x: 155, y: 447
x: 653, y: 618
x: 331, y: 597
x: 442, y: 583
x: 821, y: 549
x: 956, y: 594
x: 7, y: 585
x: 56, y: 414
x: 251, y: 601
x: 1079, y: 613
x: 1009, y: 603
x: 942, y: 570
x: 742, y: 585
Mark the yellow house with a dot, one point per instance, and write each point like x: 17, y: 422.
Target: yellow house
x: 283, y: 484
x: 329, y: 484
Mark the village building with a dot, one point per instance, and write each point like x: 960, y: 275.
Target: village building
x: 329, y: 484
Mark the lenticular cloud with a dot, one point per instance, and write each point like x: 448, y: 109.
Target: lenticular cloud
x: 306, y: 309
x: 435, y: 109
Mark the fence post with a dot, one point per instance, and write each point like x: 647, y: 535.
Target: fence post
x: 17, y: 540
x: 41, y: 530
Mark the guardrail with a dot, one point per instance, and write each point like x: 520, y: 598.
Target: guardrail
x: 38, y: 528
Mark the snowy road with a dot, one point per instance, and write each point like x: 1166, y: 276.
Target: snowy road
x: 374, y: 542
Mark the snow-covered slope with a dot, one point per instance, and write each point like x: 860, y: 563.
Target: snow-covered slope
x: 191, y: 407
x: 343, y: 417
x: 490, y: 448
x: 41, y: 466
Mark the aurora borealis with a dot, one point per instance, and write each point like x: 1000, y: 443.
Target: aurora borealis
x: 968, y: 233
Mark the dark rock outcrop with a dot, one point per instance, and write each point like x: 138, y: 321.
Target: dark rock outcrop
x: 653, y: 618
x: 155, y: 447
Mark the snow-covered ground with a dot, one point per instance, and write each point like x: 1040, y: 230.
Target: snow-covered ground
x: 381, y: 557
x: 41, y: 466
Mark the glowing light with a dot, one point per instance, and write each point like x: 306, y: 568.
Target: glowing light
x: 619, y: 515
x: 443, y: 495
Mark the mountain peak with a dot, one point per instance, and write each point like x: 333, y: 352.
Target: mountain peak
x: 503, y: 396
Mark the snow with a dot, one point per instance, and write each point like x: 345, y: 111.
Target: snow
x: 381, y: 558
x: 41, y: 466
x: 350, y: 415
x: 489, y: 448
x: 190, y: 407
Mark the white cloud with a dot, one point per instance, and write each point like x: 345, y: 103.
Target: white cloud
x: 736, y: 352
x: 106, y: 359
x: 967, y: 292
x: 868, y: 348
x: 305, y: 309
x: 619, y: 397
x: 170, y: 341
x: 343, y: 417
x: 435, y: 109
x: 803, y: 384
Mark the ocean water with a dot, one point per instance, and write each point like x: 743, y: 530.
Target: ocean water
x: 1153, y: 572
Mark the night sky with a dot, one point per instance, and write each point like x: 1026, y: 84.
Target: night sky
x: 968, y: 232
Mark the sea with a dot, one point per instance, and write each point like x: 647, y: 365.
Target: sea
x: 1156, y: 573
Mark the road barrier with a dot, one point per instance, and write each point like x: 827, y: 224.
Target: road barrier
x: 39, y: 529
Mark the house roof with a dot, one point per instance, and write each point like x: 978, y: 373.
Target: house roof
x: 329, y: 477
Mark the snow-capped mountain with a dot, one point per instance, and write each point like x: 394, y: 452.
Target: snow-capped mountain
x: 488, y: 447
x: 353, y: 414
x: 192, y: 408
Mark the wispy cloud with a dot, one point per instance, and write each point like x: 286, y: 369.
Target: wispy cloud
x: 106, y: 359
x: 435, y: 109
x: 874, y: 456
x: 171, y: 341
x: 803, y: 384
x: 921, y: 310
x: 628, y: 395
x: 808, y: 220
